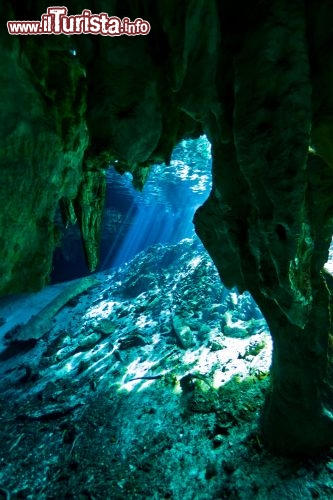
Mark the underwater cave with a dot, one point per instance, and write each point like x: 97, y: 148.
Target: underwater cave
x: 166, y: 260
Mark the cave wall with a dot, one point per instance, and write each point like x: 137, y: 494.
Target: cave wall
x: 43, y: 141
x: 268, y: 220
x: 65, y: 119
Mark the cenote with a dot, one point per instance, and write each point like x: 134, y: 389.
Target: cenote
x: 166, y: 259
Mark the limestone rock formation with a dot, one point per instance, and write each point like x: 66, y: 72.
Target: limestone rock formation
x: 257, y: 79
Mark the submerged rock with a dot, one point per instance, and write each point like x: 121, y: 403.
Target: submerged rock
x: 156, y: 415
x: 182, y: 332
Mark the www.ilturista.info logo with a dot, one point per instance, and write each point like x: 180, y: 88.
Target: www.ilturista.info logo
x: 56, y: 22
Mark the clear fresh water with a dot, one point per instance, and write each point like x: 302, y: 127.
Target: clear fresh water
x: 163, y: 211
x: 133, y: 221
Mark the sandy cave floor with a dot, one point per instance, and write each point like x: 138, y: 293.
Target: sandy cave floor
x: 147, y: 385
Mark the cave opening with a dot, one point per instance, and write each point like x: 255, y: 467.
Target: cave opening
x: 132, y: 221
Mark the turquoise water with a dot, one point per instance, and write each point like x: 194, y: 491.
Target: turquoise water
x: 133, y: 221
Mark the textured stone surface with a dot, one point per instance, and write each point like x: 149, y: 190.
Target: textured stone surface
x: 43, y: 138
x: 257, y: 79
x: 268, y: 220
